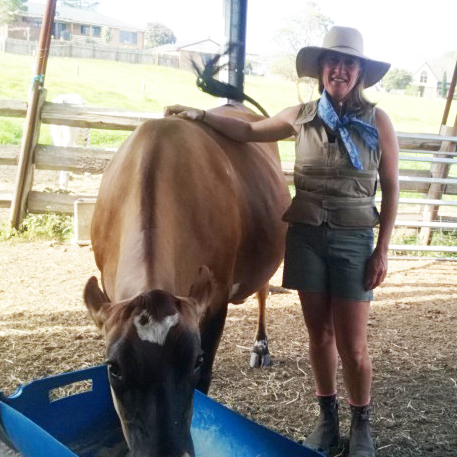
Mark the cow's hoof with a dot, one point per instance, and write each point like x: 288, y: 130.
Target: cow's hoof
x: 266, y: 361
x: 255, y: 360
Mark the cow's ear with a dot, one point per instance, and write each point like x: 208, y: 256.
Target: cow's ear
x: 96, y: 301
x: 203, y: 287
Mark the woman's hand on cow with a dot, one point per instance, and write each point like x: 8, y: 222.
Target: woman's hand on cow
x: 184, y: 112
x: 376, y: 269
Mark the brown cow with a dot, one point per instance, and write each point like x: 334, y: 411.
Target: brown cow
x: 186, y: 221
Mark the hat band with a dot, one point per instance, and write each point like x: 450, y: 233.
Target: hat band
x: 347, y: 50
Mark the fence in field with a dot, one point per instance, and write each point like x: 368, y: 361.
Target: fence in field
x: 433, y: 183
x: 83, y: 50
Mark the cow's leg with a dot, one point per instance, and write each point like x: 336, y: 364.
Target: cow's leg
x: 211, y: 331
x: 260, y: 356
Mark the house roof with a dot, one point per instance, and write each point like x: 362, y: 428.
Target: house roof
x: 427, y: 65
x: 445, y: 63
x: 81, y: 16
x: 204, y: 46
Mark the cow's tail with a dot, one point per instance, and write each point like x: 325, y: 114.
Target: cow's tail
x: 207, y: 83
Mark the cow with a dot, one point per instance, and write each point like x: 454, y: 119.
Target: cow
x: 186, y: 221
x: 66, y: 136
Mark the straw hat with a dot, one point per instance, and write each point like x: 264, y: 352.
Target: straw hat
x: 344, y: 40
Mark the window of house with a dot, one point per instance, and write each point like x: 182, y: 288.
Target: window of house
x: 26, y: 19
x: 96, y: 31
x: 128, y: 37
x: 423, y: 78
x: 37, y: 23
x: 85, y: 30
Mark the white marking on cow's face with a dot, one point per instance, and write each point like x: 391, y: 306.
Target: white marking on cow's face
x: 150, y: 330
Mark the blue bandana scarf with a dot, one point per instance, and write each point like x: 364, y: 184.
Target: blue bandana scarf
x: 341, y: 125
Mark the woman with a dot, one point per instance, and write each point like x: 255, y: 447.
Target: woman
x: 342, y: 143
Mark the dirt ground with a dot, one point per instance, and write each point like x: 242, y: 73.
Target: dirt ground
x: 44, y: 330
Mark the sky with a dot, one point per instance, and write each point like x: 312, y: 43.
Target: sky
x: 405, y: 33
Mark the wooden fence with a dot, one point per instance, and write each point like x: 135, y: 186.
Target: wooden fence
x: 437, y: 150
x: 83, y: 50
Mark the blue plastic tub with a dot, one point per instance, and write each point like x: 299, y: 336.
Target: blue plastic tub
x: 41, y: 421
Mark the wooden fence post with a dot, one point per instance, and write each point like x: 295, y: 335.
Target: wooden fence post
x: 37, y: 96
x: 435, y: 191
x: 430, y: 212
x: 450, y: 96
x: 25, y: 168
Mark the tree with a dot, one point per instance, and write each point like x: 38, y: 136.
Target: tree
x: 9, y: 9
x: 397, y: 79
x: 158, y: 34
x: 81, y: 4
x: 305, y: 27
x: 444, y: 85
x: 107, y: 34
x: 284, y: 66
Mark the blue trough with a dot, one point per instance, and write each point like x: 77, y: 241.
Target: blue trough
x: 42, y: 420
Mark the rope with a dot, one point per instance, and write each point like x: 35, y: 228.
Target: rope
x: 39, y: 78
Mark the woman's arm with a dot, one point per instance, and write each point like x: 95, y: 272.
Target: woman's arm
x: 388, y: 178
x: 278, y: 127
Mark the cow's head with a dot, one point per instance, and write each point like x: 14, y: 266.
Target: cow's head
x: 154, y: 360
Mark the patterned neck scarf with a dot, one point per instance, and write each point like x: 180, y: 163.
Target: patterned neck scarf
x: 342, y: 125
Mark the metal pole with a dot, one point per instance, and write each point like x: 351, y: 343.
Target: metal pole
x: 450, y: 96
x: 235, y: 27
x: 45, y: 38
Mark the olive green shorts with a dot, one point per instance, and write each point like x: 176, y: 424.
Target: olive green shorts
x: 325, y: 259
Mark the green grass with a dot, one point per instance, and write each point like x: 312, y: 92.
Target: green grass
x: 411, y: 236
x: 413, y: 114
x: 119, y: 85
x: 151, y: 88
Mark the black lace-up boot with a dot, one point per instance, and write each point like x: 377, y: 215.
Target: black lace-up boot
x: 360, y: 440
x: 326, y: 433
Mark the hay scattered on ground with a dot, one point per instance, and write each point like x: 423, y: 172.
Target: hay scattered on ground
x: 44, y: 330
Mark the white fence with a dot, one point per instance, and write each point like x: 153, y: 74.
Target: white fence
x: 81, y: 50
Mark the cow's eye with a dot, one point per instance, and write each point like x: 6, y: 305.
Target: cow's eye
x: 114, y: 371
x: 199, y: 362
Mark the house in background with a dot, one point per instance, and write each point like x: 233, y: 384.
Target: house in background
x: 257, y: 65
x: 429, y: 76
x: 181, y: 54
x: 74, y: 24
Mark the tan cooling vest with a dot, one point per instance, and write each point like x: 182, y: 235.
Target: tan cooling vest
x: 328, y: 187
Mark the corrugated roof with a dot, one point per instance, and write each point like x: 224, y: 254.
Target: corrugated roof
x: 69, y: 14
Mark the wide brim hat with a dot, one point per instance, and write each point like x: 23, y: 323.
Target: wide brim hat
x: 344, y: 40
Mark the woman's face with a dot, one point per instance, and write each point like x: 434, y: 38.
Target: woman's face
x: 340, y: 74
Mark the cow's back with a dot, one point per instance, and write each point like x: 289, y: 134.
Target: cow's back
x: 178, y: 195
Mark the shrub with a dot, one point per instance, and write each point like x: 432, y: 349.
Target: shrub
x: 412, y: 90
x: 48, y: 227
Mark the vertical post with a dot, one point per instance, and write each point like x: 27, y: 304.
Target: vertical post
x: 36, y: 98
x: 435, y: 191
x: 450, y: 96
x: 235, y: 30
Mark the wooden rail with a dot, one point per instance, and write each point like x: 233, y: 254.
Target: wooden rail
x: 94, y: 160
